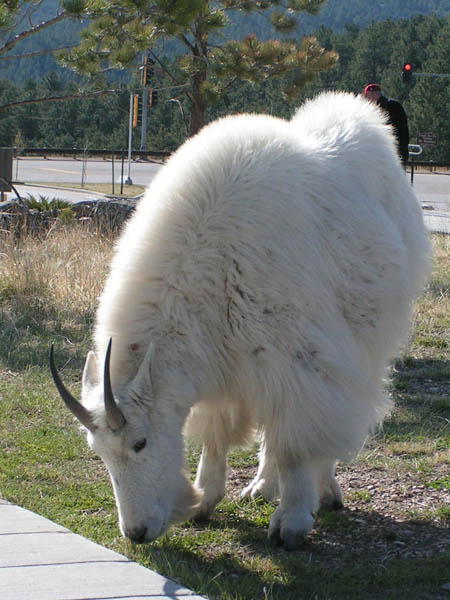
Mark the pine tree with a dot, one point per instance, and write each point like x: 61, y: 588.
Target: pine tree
x: 208, y: 65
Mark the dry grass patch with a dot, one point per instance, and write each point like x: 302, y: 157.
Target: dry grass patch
x: 48, y: 292
x: 66, y: 268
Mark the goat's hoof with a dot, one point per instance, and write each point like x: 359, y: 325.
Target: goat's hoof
x: 200, y: 518
x: 289, y: 540
x: 291, y: 536
x: 337, y: 505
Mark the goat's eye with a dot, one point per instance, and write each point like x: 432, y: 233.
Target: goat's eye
x: 140, y: 445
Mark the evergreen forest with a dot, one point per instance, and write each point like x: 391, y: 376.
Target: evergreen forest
x: 372, y: 53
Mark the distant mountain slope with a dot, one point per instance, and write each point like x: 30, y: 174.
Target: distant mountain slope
x: 335, y: 15
x: 338, y: 13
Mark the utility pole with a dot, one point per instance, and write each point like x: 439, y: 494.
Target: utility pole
x: 146, y: 75
x: 128, y: 180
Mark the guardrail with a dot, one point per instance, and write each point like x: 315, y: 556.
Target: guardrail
x: 74, y: 152
x: 428, y: 163
x: 153, y: 153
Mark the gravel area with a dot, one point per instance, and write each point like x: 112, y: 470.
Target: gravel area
x: 388, y: 513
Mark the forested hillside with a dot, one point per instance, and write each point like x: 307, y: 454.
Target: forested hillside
x: 335, y: 15
x: 375, y: 53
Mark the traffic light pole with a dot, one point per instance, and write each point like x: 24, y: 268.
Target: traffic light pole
x: 128, y: 180
x: 408, y: 72
x: 432, y: 74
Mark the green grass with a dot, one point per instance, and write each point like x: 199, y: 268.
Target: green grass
x: 368, y: 551
x: 43, y: 203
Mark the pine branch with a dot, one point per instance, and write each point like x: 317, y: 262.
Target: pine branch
x: 34, y: 29
x: 36, y: 53
x: 57, y: 98
x: 187, y: 43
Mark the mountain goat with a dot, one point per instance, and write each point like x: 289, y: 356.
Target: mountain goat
x: 262, y: 286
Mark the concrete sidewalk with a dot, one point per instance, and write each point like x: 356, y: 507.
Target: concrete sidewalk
x: 68, y: 194
x: 437, y: 222
x: 40, y: 560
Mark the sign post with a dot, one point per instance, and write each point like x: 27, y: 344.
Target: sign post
x: 413, y: 150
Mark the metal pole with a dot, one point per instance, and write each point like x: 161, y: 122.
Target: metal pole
x: 121, y: 173
x: 83, y: 168
x: 144, y: 118
x: 413, y: 150
x: 128, y: 180
x: 112, y: 171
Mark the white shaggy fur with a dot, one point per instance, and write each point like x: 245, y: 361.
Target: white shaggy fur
x: 270, y: 268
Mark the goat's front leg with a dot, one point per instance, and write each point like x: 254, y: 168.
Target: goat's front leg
x: 211, y: 477
x: 299, y: 500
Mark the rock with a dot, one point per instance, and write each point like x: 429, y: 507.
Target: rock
x: 106, y: 215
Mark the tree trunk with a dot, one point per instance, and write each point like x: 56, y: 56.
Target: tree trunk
x: 200, y: 57
x: 197, y: 119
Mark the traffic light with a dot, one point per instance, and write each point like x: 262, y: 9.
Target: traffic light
x: 147, y: 71
x: 407, y: 73
x: 152, y: 97
x: 146, y: 74
x: 136, y: 107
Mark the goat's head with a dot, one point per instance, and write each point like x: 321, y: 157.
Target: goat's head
x: 140, y: 442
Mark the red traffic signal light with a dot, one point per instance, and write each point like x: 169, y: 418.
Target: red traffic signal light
x: 407, y: 73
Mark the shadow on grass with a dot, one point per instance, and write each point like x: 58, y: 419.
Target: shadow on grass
x: 417, y: 370
x: 357, y: 554
x: 421, y: 392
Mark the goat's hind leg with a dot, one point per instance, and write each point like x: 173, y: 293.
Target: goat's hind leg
x: 265, y: 483
x: 329, y: 489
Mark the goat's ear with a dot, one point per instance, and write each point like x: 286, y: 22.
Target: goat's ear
x: 91, y: 372
x: 142, y: 383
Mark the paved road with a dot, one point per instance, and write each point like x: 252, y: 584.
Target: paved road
x: 433, y: 189
x: 34, y: 170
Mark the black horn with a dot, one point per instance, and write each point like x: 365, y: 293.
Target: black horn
x: 115, y: 418
x: 81, y: 413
